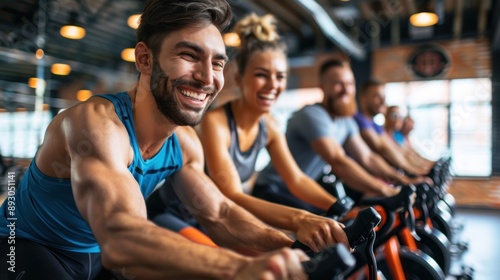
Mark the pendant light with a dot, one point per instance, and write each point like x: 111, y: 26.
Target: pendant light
x: 425, y: 15
x: 71, y: 29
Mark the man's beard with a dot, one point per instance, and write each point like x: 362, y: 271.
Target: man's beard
x: 164, y: 95
x: 341, y: 109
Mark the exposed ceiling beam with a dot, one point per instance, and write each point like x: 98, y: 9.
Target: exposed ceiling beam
x: 449, y: 5
x: 458, y: 20
x: 484, y: 7
x: 495, y: 46
x: 331, y: 30
x: 410, y: 6
x: 31, y: 99
x: 366, y: 11
x: 402, y: 7
x: 386, y: 6
x: 396, y: 10
x: 395, y: 31
x: 15, y: 56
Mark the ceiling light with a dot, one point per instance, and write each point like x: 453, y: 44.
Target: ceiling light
x: 39, y: 54
x: 128, y: 54
x: 425, y: 15
x: 83, y: 94
x: 34, y: 82
x: 133, y: 21
x: 232, y: 39
x: 60, y: 69
x: 72, y: 30
x: 423, y: 19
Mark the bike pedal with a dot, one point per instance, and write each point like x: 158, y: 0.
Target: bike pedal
x: 463, y: 245
x: 456, y: 225
x: 467, y: 273
x: 456, y: 249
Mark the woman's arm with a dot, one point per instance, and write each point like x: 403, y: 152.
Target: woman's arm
x: 349, y: 170
x: 373, y: 162
x: 315, y: 231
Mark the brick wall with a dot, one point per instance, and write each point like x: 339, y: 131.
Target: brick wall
x: 482, y: 193
x: 469, y: 58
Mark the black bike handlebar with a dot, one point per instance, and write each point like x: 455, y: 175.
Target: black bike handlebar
x: 366, y: 220
x: 333, y: 262
x: 392, y: 204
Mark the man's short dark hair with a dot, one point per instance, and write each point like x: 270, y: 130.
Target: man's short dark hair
x: 330, y: 63
x: 161, y: 17
x: 368, y: 84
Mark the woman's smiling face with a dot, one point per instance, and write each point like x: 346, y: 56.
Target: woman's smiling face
x: 264, y: 78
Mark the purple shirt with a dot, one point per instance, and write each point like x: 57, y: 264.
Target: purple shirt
x: 366, y: 123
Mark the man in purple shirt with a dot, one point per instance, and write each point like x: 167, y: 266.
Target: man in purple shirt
x: 372, y: 102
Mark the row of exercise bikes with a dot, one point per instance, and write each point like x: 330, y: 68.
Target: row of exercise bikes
x: 410, y: 236
x: 413, y: 235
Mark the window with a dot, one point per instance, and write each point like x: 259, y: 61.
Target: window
x: 21, y: 132
x: 450, y: 116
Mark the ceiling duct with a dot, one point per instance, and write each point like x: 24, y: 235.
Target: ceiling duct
x: 331, y: 30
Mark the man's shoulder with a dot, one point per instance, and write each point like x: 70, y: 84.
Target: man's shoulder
x: 312, y: 109
x: 215, y: 115
x: 359, y: 116
x: 309, y: 114
x: 92, y: 108
x: 345, y: 120
x: 362, y: 120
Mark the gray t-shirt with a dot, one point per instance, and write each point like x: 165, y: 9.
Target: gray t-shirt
x: 305, y: 126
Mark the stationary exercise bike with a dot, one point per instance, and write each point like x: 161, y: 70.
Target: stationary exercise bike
x: 443, y: 205
x: 387, y: 208
x: 327, y: 265
x: 398, y: 256
x: 431, y: 241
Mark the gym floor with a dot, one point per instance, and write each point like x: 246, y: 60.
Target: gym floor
x: 482, y: 232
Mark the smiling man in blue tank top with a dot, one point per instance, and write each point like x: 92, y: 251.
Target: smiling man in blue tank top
x: 80, y: 207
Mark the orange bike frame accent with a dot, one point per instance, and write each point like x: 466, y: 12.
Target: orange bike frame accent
x: 197, y: 236
x: 391, y: 252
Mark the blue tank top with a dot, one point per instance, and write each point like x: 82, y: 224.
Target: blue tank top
x: 45, y: 209
x: 244, y: 161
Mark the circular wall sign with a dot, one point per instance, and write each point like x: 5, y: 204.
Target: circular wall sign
x: 429, y: 61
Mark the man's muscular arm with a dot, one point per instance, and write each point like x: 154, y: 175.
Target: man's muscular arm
x: 350, y: 171
x: 227, y: 223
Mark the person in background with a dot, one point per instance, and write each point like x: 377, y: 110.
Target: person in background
x: 399, y: 128
x: 321, y: 134
x: 406, y: 129
x: 393, y: 124
x: 235, y: 133
x: 80, y: 207
x: 372, y: 102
